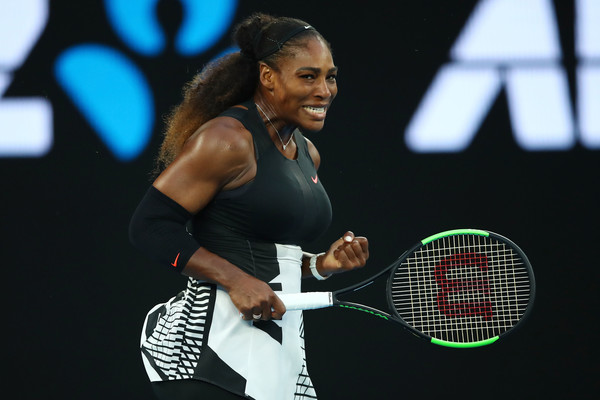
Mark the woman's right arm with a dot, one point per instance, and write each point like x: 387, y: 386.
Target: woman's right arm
x: 219, y: 157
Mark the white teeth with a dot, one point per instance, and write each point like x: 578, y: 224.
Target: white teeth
x: 315, y: 109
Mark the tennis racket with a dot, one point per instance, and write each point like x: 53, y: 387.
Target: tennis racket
x: 459, y: 288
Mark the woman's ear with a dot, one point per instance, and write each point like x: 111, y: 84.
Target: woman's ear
x: 266, y: 76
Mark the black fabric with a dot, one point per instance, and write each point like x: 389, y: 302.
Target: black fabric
x: 285, y: 203
x: 158, y: 229
x: 191, y: 390
x: 213, y: 369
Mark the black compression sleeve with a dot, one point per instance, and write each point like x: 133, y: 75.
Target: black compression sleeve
x: 157, y: 228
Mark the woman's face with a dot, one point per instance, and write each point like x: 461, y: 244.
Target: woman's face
x: 305, y: 86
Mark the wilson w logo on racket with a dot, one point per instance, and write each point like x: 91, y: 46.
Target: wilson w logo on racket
x: 459, y: 288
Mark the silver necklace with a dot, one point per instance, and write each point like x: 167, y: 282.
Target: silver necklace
x: 276, y: 131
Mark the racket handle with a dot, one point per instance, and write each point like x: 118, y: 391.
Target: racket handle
x: 307, y: 300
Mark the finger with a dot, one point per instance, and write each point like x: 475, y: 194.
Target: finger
x: 247, y: 316
x: 348, y: 237
x: 336, y: 255
x: 355, y: 254
x: 361, y: 245
x: 351, y: 250
x: 277, y: 308
x: 257, y: 314
x: 342, y: 257
x: 361, y: 255
x: 364, y: 243
x: 266, y: 313
x: 245, y: 313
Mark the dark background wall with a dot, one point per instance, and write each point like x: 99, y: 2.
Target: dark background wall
x: 76, y: 292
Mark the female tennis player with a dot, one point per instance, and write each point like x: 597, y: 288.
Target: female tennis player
x: 237, y: 198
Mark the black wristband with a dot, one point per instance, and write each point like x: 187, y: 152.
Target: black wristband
x: 158, y: 229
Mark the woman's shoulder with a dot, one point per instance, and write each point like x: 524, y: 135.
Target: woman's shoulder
x: 222, y: 133
x: 314, y: 153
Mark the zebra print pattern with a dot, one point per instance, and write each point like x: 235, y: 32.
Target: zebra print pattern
x: 304, y: 386
x: 176, y: 340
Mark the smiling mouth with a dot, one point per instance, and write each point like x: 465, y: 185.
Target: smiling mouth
x: 317, y: 111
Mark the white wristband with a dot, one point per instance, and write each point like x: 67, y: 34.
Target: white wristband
x: 313, y: 267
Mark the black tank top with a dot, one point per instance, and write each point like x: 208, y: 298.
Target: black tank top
x: 285, y: 203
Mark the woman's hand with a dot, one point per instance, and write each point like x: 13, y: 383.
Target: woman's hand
x: 255, y: 300
x: 346, y: 253
x: 251, y: 296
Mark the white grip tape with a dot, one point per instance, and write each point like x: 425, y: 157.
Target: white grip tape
x: 307, y: 300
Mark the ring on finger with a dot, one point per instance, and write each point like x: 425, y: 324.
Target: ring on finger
x: 256, y: 316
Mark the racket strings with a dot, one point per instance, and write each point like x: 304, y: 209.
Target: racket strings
x: 462, y: 288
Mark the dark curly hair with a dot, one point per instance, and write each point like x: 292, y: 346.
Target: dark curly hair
x: 232, y: 78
